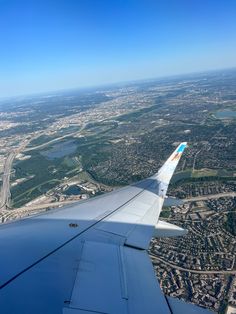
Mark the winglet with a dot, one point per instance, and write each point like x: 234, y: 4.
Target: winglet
x: 166, y: 171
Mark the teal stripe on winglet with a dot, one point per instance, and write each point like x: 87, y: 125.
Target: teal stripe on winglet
x: 181, y: 148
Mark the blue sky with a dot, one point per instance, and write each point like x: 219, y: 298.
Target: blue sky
x: 52, y: 45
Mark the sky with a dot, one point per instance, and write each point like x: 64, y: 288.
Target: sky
x: 50, y: 45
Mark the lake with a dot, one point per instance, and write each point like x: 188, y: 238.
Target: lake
x: 73, y: 190
x: 60, y: 150
x: 225, y: 114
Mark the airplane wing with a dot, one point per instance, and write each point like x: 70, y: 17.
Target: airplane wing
x: 89, y: 257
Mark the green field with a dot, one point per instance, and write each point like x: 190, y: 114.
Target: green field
x: 230, y: 222
x: 47, y: 174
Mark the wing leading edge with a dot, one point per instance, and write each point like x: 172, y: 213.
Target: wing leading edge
x: 99, y: 266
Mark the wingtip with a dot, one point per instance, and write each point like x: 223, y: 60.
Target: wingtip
x: 166, y: 171
x: 181, y: 147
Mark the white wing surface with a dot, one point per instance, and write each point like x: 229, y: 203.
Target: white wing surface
x: 89, y: 257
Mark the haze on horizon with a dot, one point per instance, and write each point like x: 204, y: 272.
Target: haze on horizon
x: 52, y: 45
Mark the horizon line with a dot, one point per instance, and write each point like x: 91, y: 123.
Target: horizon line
x: 162, y: 77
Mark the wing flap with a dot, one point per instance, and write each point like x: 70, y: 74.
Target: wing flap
x: 100, y: 275
x: 116, y: 279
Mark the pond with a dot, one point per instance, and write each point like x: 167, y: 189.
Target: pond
x: 73, y: 190
x: 225, y: 114
x: 60, y: 150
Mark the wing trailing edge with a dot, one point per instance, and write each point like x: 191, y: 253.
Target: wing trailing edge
x: 179, y: 307
x: 165, y: 229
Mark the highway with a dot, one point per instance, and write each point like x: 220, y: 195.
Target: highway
x: 194, y: 271
x: 55, y: 139
x: 47, y: 205
x: 5, y: 193
x: 13, y: 214
x: 209, y: 196
x: 5, y: 190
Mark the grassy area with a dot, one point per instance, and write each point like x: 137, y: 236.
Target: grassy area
x: 34, y: 192
x: 181, y: 175
x: 84, y: 176
x: 41, y: 140
x: 165, y: 213
x: 70, y: 162
x: 47, y: 174
x: 204, y: 173
x: 134, y: 115
x: 230, y: 222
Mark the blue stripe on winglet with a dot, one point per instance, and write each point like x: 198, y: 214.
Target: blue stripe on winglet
x: 181, y: 148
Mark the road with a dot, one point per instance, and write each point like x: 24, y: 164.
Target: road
x: 210, y: 196
x: 194, y: 271
x: 194, y: 160
x: 47, y: 205
x: 55, y: 140
x: 5, y: 193
x: 24, y: 211
x: 5, y: 190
